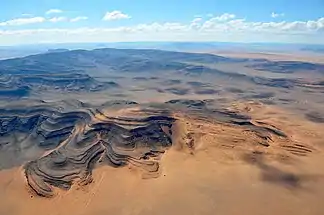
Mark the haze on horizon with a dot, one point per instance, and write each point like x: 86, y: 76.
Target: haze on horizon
x: 58, y: 21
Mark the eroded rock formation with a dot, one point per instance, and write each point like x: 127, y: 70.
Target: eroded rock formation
x: 72, y: 138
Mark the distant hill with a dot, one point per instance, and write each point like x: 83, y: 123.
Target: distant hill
x: 57, y: 50
x: 128, y: 60
x: 9, y: 53
x: 65, y: 70
x: 314, y: 49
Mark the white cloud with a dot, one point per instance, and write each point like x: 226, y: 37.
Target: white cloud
x: 198, y: 19
x: 79, y: 18
x: 227, y: 22
x: 58, y: 19
x: 34, y: 20
x: 222, y: 28
x: 114, y: 15
x: 196, y: 23
x: 275, y: 15
x: 233, y: 25
x: 27, y: 15
x: 51, y: 11
x: 320, y: 22
x: 225, y: 17
x: 23, y: 21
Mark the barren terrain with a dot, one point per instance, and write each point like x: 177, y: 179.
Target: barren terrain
x: 124, y: 131
x: 306, y: 56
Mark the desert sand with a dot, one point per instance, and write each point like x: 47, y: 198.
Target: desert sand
x: 193, y: 137
x: 213, y: 167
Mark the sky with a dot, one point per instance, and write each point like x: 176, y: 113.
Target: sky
x: 68, y: 21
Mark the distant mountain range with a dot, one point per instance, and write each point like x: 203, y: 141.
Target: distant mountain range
x: 24, y: 50
x: 64, y: 70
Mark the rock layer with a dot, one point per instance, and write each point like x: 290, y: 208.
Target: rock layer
x: 73, y: 137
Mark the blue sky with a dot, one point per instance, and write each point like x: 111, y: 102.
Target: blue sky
x: 56, y: 21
